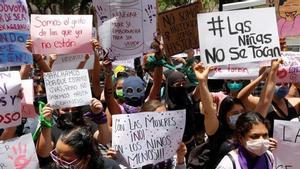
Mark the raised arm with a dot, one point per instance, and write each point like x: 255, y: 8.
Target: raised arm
x: 245, y: 95
x: 44, y: 142
x: 38, y: 58
x: 266, y: 96
x: 112, y: 104
x: 97, y: 90
x: 211, y: 121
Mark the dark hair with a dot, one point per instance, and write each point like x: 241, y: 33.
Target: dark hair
x: 151, y: 105
x: 247, y: 120
x: 81, y: 140
x: 225, y: 106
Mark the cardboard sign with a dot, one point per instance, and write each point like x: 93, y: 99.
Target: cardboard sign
x: 288, y: 142
x: 289, y: 71
x: 61, y: 34
x: 127, y: 63
x: 68, y: 88
x: 239, y: 36
x: 126, y: 28
x: 153, y: 135
x: 179, y: 28
x: 18, y: 153
x: 288, y: 15
x: 14, y: 32
x: 245, y: 71
x: 10, y: 104
x: 27, y: 107
x: 67, y: 62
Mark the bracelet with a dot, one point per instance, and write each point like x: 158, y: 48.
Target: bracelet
x: 99, y: 118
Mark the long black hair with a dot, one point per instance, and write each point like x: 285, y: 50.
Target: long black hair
x: 225, y: 106
x: 81, y: 140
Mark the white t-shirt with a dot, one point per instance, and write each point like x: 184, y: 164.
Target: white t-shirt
x: 227, y: 163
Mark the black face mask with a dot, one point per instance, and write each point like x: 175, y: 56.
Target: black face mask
x: 178, y: 95
x: 42, y: 98
x: 136, y: 102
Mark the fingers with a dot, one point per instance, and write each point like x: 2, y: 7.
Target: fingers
x: 96, y: 106
x: 47, y: 112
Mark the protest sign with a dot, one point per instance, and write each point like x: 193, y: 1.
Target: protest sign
x: 10, y: 104
x: 239, y: 36
x: 179, y: 28
x: 67, y: 62
x: 18, y: 153
x: 288, y: 142
x: 14, y: 31
x: 68, y: 88
x: 289, y: 71
x: 147, y: 138
x: 61, y: 34
x: 128, y: 63
x: 245, y: 71
x: 126, y: 28
x: 27, y: 107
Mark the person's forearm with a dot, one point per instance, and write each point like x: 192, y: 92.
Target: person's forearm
x: 44, y: 143
x: 112, y: 103
x: 25, y: 71
x: 157, y: 80
x: 246, y: 91
x: 97, y: 90
x: 44, y: 66
x: 8, y: 133
x: 103, y: 135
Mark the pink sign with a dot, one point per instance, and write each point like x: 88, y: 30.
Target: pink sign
x: 61, y: 34
x: 27, y: 107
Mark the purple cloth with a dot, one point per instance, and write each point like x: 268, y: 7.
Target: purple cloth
x: 130, y: 109
x: 99, y: 118
x: 248, y: 162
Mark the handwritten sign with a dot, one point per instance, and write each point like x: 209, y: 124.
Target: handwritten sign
x: 10, y: 104
x: 179, y: 28
x: 147, y: 138
x: 61, y: 34
x: 128, y: 63
x: 27, y: 107
x: 18, y: 153
x: 245, y: 71
x: 14, y: 31
x: 238, y: 36
x: 126, y: 28
x: 288, y: 142
x: 289, y: 71
x: 68, y: 88
x: 67, y: 62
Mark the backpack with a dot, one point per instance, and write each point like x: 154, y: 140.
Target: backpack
x: 199, y: 156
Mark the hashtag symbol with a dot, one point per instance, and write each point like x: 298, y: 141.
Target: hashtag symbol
x: 214, y: 24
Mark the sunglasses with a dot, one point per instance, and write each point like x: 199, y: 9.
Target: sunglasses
x: 63, y: 163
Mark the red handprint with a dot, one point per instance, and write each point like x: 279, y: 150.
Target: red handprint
x: 20, y: 159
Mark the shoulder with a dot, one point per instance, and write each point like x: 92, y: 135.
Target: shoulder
x: 110, y: 164
x: 229, y: 160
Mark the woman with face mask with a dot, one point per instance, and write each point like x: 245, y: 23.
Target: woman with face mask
x: 220, y: 128
x: 278, y: 106
x: 252, y: 136
x: 76, y: 149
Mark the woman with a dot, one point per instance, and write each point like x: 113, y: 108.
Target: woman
x: 278, y: 107
x: 77, y: 149
x: 253, y: 138
x: 218, y: 128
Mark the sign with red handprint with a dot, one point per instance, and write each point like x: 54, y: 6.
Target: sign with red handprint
x: 18, y: 153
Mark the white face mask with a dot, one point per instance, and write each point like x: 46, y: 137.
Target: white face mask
x: 257, y: 146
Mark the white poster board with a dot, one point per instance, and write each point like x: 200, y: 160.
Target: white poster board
x: 18, y: 153
x: 289, y: 71
x: 288, y: 144
x: 154, y: 134
x: 68, y: 88
x: 245, y: 71
x: 27, y: 109
x: 10, y: 104
x: 126, y: 27
x: 67, y: 62
x: 239, y: 36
